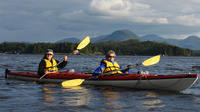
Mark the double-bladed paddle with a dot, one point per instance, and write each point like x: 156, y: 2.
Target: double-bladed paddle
x: 81, y: 45
x: 77, y: 82
x: 148, y: 62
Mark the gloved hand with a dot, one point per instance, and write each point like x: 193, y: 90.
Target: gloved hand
x: 76, y: 51
x: 137, y: 65
x: 129, y: 66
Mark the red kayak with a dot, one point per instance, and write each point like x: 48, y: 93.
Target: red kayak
x: 138, y: 81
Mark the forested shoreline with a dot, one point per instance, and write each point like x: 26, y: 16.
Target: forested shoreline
x: 129, y: 47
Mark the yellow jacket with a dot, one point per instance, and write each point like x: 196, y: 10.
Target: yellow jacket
x: 49, y: 66
x: 111, y: 67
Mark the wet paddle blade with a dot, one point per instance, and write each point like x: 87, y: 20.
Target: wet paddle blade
x: 84, y: 43
x: 151, y: 61
x: 73, y: 82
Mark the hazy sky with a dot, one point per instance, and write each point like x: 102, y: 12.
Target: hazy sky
x: 52, y: 20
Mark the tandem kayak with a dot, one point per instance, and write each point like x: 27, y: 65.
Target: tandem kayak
x: 138, y: 81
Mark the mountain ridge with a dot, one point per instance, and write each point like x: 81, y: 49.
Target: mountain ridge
x: 191, y: 42
x: 119, y: 35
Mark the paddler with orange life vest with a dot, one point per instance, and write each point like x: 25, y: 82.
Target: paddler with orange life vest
x: 49, y: 65
x: 109, y: 66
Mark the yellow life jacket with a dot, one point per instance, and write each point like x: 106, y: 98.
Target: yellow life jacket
x: 49, y: 66
x: 111, y: 67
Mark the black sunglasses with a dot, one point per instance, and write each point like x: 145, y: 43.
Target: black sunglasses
x: 111, y: 56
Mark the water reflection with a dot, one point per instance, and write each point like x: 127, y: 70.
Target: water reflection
x: 76, y: 96
x: 73, y: 88
x: 152, y: 101
x: 73, y: 96
x: 110, y: 96
x: 48, y: 96
x: 111, y: 100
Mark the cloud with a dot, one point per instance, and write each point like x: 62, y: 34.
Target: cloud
x: 181, y: 12
x: 76, y: 14
x: 126, y: 10
x: 188, y: 20
x: 51, y: 20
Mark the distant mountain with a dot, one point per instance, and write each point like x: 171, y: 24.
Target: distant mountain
x: 156, y: 38
x: 191, y: 42
x: 152, y: 37
x: 73, y: 40
x: 117, y: 36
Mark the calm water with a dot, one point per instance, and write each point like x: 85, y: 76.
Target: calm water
x: 22, y: 96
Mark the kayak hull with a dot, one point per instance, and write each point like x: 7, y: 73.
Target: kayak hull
x: 162, y: 84
x: 138, y: 81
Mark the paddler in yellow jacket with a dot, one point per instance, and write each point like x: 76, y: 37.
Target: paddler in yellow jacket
x: 109, y: 66
x: 49, y: 65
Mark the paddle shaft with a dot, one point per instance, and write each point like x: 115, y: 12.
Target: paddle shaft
x: 43, y: 76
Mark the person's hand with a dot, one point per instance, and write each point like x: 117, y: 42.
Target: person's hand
x: 129, y: 66
x: 138, y: 64
x: 46, y: 72
x: 65, y: 58
x: 75, y: 51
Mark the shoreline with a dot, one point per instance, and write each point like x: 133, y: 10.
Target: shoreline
x: 87, y: 54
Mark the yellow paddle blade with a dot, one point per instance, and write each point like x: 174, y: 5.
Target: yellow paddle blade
x: 84, y: 43
x: 151, y: 61
x: 73, y: 82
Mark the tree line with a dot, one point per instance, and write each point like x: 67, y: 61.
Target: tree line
x: 129, y: 47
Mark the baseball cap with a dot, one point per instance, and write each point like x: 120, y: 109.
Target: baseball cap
x: 49, y: 51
